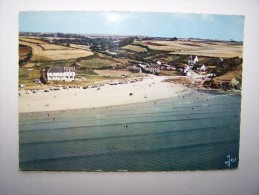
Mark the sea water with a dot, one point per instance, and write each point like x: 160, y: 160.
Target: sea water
x: 194, y: 131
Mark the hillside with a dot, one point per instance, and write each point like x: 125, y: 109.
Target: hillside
x: 94, y: 57
x: 229, y: 75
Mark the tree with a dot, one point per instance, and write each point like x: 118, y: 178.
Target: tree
x: 174, y: 39
x: 126, y: 41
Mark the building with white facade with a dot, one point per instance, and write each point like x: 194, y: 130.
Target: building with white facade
x: 152, y: 68
x: 61, y: 74
x: 193, y: 60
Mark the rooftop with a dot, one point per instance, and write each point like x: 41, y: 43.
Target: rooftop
x: 61, y: 69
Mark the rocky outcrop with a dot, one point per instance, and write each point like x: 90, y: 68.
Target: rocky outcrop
x: 234, y: 83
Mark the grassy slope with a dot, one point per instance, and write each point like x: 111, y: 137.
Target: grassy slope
x: 96, y: 63
x: 235, y: 73
x: 135, y: 48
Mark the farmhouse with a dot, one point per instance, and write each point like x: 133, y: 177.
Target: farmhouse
x: 61, y: 74
x: 152, y: 68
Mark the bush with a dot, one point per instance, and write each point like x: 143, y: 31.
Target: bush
x: 126, y: 41
x: 227, y: 65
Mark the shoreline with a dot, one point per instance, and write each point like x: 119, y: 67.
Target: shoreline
x: 106, y: 95
x: 55, y: 112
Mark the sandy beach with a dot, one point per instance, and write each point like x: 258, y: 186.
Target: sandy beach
x: 139, y: 90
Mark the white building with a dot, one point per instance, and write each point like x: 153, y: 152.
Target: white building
x: 186, y: 69
x: 152, y: 68
x: 202, y: 68
x: 193, y: 60
x: 61, y: 74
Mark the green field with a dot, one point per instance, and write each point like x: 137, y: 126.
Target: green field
x: 135, y: 48
x: 57, y: 63
x: 97, y: 63
x: 26, y: 76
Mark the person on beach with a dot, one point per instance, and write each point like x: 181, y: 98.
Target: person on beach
x: 125, y: 125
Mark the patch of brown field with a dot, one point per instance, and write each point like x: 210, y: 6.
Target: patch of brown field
x: 29, y: 65
x: 200, y: 48
x: 86, y: 47
x: 153, y: 43
x: 47, y: 55
x: 35, y: 47
x: 189, y: 44
x: 54, y: 47
x: 170, y: 45
x: 61, y: 54
x: 32, y: 40
x: 224, y: 52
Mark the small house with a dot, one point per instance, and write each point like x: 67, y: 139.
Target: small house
x: 202, y: 68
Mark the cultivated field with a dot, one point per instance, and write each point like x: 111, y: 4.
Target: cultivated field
x: 135, y: 48
x: 57, y: 52
x: 97, y: 63
x: 80, y: 46
x: 32, y: 40
x: 54, y: 47
x: 200, y: 48
x: 64, y: 54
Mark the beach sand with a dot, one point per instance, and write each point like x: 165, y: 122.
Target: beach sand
x: 148, y: 89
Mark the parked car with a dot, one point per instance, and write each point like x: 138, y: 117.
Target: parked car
x: 21, y: 85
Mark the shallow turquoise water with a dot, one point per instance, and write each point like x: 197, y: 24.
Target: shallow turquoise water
x: 196, y: 131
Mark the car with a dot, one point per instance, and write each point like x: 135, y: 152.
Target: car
x: 21, y: 85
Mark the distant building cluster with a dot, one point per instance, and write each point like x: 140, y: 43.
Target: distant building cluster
x: 194, y: 61
x: 192, y: 66
x: 153, y: 68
